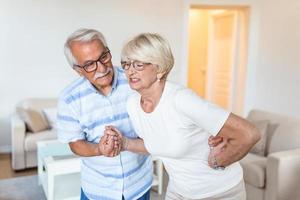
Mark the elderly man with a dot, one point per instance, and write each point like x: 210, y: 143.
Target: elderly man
x: 93, y: 101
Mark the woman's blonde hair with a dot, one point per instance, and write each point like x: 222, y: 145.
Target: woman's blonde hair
x: 149, y: 48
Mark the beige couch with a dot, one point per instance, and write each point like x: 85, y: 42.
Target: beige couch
x: 276, y: 175
x: 24, y: 135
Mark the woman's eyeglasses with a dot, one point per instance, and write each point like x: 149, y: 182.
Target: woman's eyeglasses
x: 137, y: 65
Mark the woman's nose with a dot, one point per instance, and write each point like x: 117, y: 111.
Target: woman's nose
x: 131, y: 70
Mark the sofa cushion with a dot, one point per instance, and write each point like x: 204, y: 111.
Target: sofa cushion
x: 286, y: 136
x: 282, y: 130
x: 34, y: 119
x: 30, y: 110
x: 32, y: 139
x: 260, y: 147
x: 254, y: 167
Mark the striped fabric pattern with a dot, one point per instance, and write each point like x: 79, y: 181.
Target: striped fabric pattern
x: 83, y: 113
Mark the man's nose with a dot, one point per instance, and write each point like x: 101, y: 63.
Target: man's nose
x: 101, y: 67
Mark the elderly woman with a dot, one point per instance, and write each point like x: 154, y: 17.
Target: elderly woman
x: 174, y: 124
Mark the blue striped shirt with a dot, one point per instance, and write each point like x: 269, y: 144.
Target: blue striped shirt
x: 83, y: 113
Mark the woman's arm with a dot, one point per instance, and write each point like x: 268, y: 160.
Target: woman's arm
x: 239, y: 136
x: 135, y: 145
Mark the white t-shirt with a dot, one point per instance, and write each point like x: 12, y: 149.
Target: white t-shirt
x: 177, y: 132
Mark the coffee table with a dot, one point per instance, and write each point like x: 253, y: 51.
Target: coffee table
x: 58, y: 170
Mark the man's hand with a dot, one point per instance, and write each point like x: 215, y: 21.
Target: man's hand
x: 106, y: 145
x: 114, y: 141
x: 122, y: 140
x: 109, y: 143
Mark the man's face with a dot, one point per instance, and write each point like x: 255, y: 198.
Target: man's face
x: 87, y: 52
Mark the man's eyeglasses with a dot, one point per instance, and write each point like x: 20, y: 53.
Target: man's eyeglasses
x: 92, y: 66
x: 137, y: 65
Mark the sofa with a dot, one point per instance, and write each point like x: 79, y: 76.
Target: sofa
x: 273, y: 172
x: 32, y: 121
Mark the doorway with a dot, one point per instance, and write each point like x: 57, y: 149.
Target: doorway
x: 218, y: 42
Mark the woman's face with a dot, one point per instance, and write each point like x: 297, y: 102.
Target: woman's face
x: 142, y: 76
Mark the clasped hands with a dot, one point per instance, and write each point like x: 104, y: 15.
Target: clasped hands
x: 111, y: 143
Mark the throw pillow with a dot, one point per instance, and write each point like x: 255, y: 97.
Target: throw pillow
x: 34, y: 119
x: 260, y: 147
x: 50, y: 114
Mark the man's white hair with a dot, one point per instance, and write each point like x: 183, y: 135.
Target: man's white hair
x: 81, y: 35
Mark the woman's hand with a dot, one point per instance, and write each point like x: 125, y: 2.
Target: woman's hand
x: 217, y: 145
x: 214, y: 140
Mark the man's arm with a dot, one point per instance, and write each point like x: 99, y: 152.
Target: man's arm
x: 84, y: 148
x: 239, y: 136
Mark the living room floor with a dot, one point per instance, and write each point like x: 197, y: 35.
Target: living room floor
x: 6, y: 170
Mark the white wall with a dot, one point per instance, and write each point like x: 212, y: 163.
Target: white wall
x: 32, y: 35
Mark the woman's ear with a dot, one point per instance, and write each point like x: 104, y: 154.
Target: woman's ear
x: 160, y: 75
